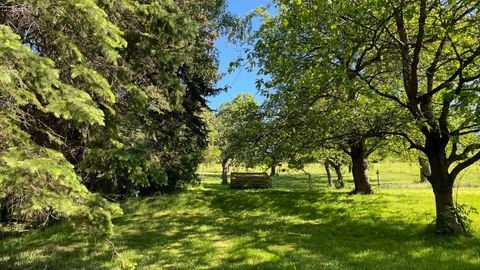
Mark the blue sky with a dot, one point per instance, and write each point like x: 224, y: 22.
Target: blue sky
x: 240, y: 81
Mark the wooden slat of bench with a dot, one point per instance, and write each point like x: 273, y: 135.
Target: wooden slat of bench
x: 241, y: 178
x: 250, y: 180
x: 249, y: 174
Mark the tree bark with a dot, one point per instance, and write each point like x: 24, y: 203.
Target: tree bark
x: 329, y: 175
x: 425, y: 170
x: 446, y: 221
x: 225, y: 169
x: 338, y: 171
x: 7, y: 208
x: 273, y: 170
x: 442, y: 184
x: 358, y: 154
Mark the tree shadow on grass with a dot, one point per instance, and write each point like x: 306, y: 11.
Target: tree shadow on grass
x: 279, y: 229
x: 253, y: 229
x: 56, y: 247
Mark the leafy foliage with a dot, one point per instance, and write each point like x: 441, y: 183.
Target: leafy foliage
x: 405, y: 68
x: 239, y: 123
x: 44, y: 180
x: 102, y: 96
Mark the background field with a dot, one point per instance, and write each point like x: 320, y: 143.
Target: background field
x: 392, y: 174
x: 287, y: 227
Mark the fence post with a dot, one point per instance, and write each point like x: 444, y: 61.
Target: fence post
x: 378, y: 179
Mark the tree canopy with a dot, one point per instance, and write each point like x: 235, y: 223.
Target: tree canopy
x: 106, y: 97
x: 410, y: 66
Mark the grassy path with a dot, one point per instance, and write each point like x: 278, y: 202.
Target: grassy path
x: 288, y: 227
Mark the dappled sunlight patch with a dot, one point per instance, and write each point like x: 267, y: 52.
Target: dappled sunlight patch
x: 281, y: 249
x: 171, y: 233
x: 421, y: 253
x: 221, y: 243
x: 367, y: 255
x: 253, y: 256
x: 294, y: 220
x: 262, y: 229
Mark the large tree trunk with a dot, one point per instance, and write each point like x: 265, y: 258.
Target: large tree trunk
x: 446, y: 221
x: 442, y: 184
x: 225, y: 169
x: 358, y: 153
x: 273, y: 170
x: 329, y: 175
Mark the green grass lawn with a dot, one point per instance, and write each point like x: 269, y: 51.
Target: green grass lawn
x: 287, y: 227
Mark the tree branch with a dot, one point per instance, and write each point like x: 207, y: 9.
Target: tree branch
x: 413, y: 145
x: 420, y: 36
x: 444, y: 114
x: 372, y: 87
x: 433, y: 66
x: 467, y: 132
x: 456, y: 157
x: 456, y: 74
x: 461, y: 166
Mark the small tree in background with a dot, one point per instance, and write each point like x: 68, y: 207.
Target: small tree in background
x: 238, y: 123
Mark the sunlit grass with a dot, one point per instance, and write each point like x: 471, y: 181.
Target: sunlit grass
x: 391, y: 174
x: 287, y: 227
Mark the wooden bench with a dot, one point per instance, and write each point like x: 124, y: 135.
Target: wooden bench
x: 250, y: 180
